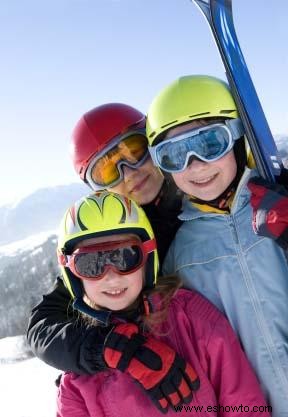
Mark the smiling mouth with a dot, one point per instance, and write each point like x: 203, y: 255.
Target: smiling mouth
x: 115, y: 292
x: 204, y: 181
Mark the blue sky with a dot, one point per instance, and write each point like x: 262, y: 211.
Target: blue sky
x: 60, y: 58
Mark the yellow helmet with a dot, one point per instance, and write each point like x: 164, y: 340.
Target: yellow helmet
x: 103, y: 214
x: 189, y: 98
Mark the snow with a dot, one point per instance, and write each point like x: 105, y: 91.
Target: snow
x: 25, y: 244
x: 38, y: 250
x: 28, y: 386
x: 28, y: 389
x: 13, y: 348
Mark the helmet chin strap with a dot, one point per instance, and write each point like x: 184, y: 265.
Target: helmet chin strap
x: 102, y: 316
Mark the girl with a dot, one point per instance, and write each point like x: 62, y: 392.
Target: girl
x: 108, y: 259
x: 109, y: 151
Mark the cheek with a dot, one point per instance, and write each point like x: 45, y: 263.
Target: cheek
x: 91, y: 288
x: 179, y: 179
x: 228, y: 166
x: 137, y: 280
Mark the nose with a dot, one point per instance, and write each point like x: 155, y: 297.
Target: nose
x: 128, y: 172
x: 111, y: 274
x: 195, y: 162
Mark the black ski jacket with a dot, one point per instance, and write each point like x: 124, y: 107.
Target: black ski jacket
x: 57, y: 335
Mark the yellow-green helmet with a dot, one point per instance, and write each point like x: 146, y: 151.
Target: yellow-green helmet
x: 103, y: 214
x: 189, y: 98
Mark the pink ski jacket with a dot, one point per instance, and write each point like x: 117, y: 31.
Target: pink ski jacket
x: 201, y: 335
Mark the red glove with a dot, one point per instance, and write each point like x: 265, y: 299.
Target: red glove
x: 167, y: 379
x: 270, y: 210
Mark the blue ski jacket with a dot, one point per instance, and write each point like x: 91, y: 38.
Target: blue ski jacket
x: 246, y: 277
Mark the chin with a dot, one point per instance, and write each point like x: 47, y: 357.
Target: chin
x: 120, y: 307
x: 209, y: 197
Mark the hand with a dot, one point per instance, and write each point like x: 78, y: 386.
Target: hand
x: 270, y: 210
x: 166, y: 378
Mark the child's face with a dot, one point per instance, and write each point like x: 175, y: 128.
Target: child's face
x: 203, y: 180
x: 113, y: 291
x: 141, y: 184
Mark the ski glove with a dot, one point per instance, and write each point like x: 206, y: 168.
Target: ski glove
x: 270, y: 210
x: 166, y: 378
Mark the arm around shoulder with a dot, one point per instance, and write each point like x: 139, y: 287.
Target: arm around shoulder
x: 59, y: 338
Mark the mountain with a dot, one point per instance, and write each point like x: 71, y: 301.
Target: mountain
x: 28, y: 264
x: 26, y: 273
x: 282, y: 141
x: 282, y: 145
x: 38, y: 212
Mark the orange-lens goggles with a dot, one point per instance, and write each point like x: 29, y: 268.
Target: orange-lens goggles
x: 105, y: 171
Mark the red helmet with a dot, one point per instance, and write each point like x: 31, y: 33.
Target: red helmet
x: 98, y: 127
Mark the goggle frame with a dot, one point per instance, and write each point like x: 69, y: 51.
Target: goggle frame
x: 233, y: 127
x: 68, y: 261
x: 88, y: 175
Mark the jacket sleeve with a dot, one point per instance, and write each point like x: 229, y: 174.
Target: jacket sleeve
x: 231, y: 374
x: 58, y: 337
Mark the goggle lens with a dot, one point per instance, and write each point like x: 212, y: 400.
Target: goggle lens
x: 93, y: 265
x: 131, y: 150
x: 92, y: 262
x: 207, y: 145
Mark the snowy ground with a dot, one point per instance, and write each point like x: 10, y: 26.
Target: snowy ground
x: 27, y: 387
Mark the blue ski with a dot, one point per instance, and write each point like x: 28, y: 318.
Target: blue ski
x: 219, y: 16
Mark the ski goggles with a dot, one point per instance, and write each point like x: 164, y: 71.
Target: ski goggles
x: 207, y: 143
x: 93, y: 262
x: 105, y: 170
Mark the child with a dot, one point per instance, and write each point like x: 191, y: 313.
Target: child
x: 196, y: 136
x: 109, y: 150
x: 108, y: 259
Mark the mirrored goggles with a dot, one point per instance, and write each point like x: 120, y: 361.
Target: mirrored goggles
x: 105, y: 170
x: 93, y: 262
x: 207, y: 143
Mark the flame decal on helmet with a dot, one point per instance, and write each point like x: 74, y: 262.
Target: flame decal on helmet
x: 73, y: 223
x: 102, y: 211
x: 80, y: 223
x: 124, y: 212
x: 72, y: 214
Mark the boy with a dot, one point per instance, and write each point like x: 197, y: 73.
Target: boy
x: 196, y: 136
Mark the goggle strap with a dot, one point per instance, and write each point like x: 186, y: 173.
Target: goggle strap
x: 149, y: 245
x: 62, y: 258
